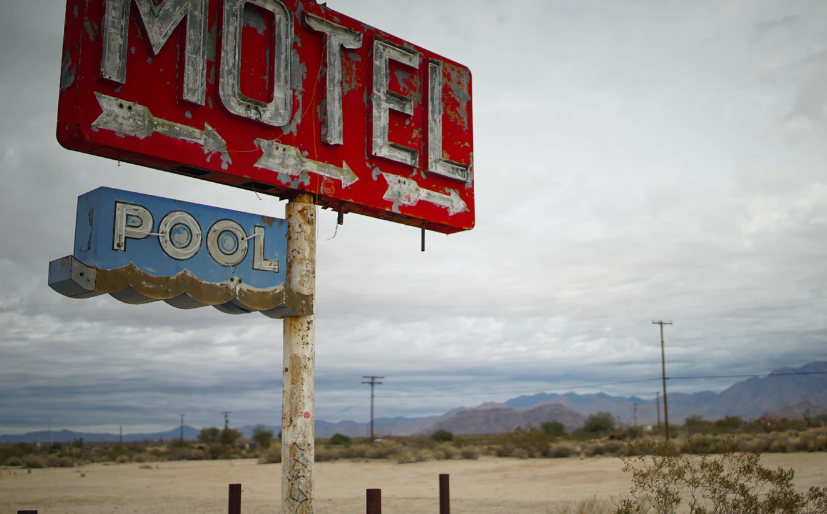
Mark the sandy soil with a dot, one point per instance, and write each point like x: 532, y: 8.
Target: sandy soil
x: 487, y: 486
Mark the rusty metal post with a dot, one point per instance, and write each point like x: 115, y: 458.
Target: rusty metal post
x: 373, y: 501
x: 298, y: 378
x: 444, y: 495
x: 234, y: 505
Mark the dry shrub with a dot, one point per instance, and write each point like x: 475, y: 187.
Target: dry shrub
x: 382, y: 451
x: 588, y: 506
x: 445, y: 452
x: 469, y: 453
x: 559, y: 451
x: 34, y: 461
x: 121, y: 459
x: 506, y: 450
x: 145, y: 466
x: 520, y: 453
x: 272, y: 455
x: 60, y: 462
x: 185, y: 454
x: 13, y: 461
x: 323, y: 454
x: 732, y: 482
x: 140, y: 457
x: 609, y: 447
x: 780, y: 445
x: 411, y: 455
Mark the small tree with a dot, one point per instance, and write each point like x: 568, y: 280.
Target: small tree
x: 553, y: 428
x: 208, y: 435
x: 442, y: 436
x: 262, y: 436
x: 340, y: 439
x: 599, y: 423
x: 229, y: 436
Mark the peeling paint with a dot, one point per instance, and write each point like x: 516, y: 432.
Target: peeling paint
x: 67, y: 72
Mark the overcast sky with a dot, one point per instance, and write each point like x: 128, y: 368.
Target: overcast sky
x: 634, y: 160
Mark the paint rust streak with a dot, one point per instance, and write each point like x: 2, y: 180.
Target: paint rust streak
x: 298, y: 387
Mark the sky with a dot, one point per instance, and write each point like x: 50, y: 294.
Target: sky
x: 635, y: 160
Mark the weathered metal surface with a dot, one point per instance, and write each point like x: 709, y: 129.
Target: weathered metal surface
x: 298, y: 378
x: 280, y: 97
x: 235, y: 263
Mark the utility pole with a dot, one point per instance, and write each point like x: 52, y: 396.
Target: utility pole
x: 120, y: 436
x: 372, y: 383
x: 657, y: 404
x: 663, y: 370
x: 51, y: 439
x: 182, y: 427
x: 634, y: 412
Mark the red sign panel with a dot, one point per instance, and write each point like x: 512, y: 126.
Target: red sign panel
x: 276, y: 97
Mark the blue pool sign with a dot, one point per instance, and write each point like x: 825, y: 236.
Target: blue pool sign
x: 140, y: 249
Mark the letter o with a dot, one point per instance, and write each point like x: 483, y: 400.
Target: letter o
x: 227, y: 242
x: 179, y: 235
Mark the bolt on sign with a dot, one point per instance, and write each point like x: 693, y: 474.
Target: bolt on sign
x: 140, y: 249
x: 279, y: 97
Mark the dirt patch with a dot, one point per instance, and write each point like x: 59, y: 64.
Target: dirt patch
x: 486, y: 486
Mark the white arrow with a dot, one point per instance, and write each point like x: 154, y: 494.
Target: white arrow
x: 136, y: 120
x: 407, y: 192
x: 289, y: 160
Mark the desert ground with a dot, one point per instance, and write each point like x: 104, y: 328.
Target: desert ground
x: 487, y: 486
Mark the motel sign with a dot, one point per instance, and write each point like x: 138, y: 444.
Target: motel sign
x: 278, y: 97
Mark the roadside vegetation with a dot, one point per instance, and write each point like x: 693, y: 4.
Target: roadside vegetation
x: 598, y: 437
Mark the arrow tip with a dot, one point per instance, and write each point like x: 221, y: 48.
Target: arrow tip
x: 348, y: 176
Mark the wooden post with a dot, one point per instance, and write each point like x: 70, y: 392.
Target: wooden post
x: 444, y: 495
x: 373, y: 503
x: 234, y: 505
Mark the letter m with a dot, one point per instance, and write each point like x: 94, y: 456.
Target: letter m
x: 159, y: 22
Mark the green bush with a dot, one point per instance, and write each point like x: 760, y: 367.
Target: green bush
x: 209, y: 435
x: 599, y: 423
x: 340, y: 439
x: 442, y: 436
x: 262, y: 437
x: 553, y: 428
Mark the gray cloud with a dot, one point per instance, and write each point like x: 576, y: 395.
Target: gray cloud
x: 634, y: 161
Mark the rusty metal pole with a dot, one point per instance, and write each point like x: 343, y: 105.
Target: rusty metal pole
x: 373, y: 501
x: 234, y: 503
x: 444, y: 495
x: 298, y: 379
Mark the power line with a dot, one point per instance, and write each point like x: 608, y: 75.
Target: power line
x: 586, y: 386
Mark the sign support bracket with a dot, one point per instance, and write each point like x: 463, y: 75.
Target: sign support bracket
x: 298, y: 371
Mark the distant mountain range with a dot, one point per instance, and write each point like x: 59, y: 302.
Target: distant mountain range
x: 65, y: 436
x: 780, y: 394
